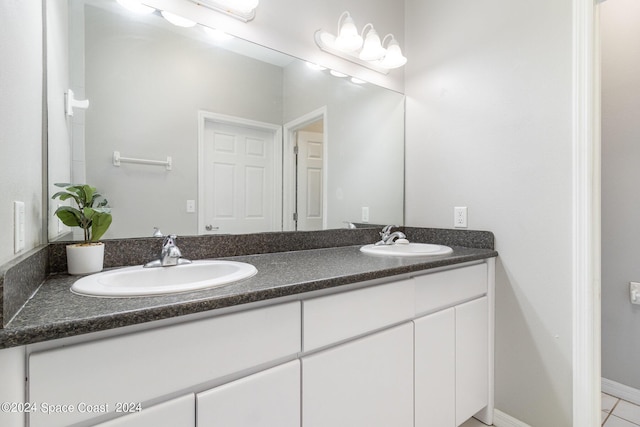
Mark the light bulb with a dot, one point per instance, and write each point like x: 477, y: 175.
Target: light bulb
x: 372, y: 49
x: 348, y: 38
x: 394, y: 57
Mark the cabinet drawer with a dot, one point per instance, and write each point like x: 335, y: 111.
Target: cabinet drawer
x: 141, y: 366
x: 268, y: 398
x: 447, y: 288
x: 334, y: 318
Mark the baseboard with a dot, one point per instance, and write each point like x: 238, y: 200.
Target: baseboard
x: 500, y: 419
x: 621, y: 391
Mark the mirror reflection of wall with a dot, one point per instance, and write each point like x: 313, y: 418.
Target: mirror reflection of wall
x: 147, y: 82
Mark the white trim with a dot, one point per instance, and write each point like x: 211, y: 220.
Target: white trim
x: 586, y: 218
x: 277, y: 162
x: 500, y: 419
x: 621, y: 391
x: 289, y: 170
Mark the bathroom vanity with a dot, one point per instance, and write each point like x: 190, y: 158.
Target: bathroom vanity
x: 320, y: 337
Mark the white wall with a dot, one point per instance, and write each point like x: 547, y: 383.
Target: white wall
x: 20, y: 120
x: 489, y: 119
x: 620, y: 37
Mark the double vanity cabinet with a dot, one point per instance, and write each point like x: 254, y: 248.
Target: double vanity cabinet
x: 409, y: 350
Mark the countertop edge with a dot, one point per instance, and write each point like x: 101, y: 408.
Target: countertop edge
x: 24, y: 335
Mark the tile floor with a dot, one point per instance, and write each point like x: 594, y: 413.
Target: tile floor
x: 619, y: 413
x: 615, y: 413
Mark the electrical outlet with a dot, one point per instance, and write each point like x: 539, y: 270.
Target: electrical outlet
x: 460, y: 217
x: 191, y: 206
x: 365, y: 214
x: 18, y: 226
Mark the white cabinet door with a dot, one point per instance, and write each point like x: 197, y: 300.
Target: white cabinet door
x: 435, y: 357
x: 472, y: 358
x: 364, y: 383
x: 267, y: 399
x: 176, y: 412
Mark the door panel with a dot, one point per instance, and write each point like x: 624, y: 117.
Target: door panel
x: 310, y: 180
x: 240, y: 191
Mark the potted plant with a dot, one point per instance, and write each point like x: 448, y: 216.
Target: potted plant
x: 92, y: 214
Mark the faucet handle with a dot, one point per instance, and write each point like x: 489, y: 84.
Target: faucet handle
x: 157, y: 232
x: 169, y: 240
x: 387, y: 230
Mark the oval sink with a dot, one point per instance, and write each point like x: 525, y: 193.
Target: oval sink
x: 139, y: 281
x: 407, y: 249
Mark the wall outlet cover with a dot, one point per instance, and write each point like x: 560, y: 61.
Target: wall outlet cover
x: 460, y: 217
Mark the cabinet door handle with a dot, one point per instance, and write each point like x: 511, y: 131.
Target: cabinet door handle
x: 210, y: 227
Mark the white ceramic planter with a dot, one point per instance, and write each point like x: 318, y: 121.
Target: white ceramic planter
x: 85, y: 258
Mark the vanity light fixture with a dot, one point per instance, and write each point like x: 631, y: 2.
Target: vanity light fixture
x: 177, y: 20
x: 136, y: 6
x: 366, y: 49
x: 244, y: 10
x: 335, y: 73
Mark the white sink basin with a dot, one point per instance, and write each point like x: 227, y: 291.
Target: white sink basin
x: 407, y: 249
x: 139, y: 281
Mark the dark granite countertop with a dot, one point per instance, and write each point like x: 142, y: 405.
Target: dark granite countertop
x: 54, y: 312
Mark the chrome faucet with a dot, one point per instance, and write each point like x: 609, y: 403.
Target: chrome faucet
x: 170, y: 254
x: 389, y: 238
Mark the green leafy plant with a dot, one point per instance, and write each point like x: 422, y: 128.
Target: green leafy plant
x: 91, y: 212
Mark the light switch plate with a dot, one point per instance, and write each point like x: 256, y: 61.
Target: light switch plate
x: 365, y: 214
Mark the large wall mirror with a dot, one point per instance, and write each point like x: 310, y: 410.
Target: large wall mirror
x: 257, y: 140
